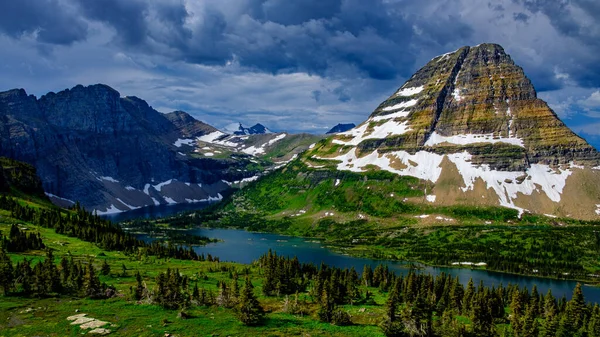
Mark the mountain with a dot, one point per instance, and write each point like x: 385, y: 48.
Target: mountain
x: 466, y: 129
x: 112, y: 153
x: 21, y: 180
x: 341, y: 128
x: 239, y: 130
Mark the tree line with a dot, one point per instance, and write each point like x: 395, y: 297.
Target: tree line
x: 86, y: 226
x: 415, y: 305
x: 45, y: 278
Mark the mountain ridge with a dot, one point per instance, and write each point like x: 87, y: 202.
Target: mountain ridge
x: 109, y: 152
x: 113, y: 153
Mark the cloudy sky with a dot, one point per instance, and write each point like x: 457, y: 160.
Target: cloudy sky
x: 302, y: 65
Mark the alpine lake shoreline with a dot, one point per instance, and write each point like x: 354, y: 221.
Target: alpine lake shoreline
x: 356, y: 250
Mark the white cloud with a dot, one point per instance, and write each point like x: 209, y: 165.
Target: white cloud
x: 591, y: 102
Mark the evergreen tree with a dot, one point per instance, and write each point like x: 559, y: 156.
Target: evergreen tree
x: 481, y: 317
x: 139, y: 288
x: 530, y: 325
x: 6, y: 273
x: 468, y: 297
x: 105, y: 269
x: 91, y: 284
x: 367, y: 275
x: 326, y: 307
x: 576, y: 309
x: 516, y: 313
x: 593, y: 328
x: 249, y: 310
x: 235, y: 289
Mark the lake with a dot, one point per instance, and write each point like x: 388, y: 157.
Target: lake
x: 244, y: 247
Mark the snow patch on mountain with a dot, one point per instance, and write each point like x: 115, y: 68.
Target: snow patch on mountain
x: 399, y: 114
x: 540, y: 178
x: 410, y: 91
x: 361, y: 133
x: 211, y: 137
x: 180, y: 142
x: 50, y: 195
x: 424, y: 165
x: 254, y: 150
x: 126, y: 205
x: 427, y: 166
x: 110, y: 210
x: 402, y: 105
x: 276, y: 139
x: 466, y: 139
x: 159, y: 186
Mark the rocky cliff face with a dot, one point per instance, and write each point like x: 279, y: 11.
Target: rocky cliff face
x: 470, y: 123
x: 111, y: 153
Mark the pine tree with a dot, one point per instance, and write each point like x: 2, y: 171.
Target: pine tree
x: 468, y: 298
x: 549, y: 304
x: 249, y: 311
x: 139, y: 288
x: 456, y: 295
x: 576, y: 308
x: 516, y: 313
x: 593, y: 327
x: 481, y: 317
x: 91, y: 283
x: 392, y: 304
x: 367, y: 275
x: 549, y: 326
x: 530, y: 326
x: 196, y: 293
x: 390, y: 325
x: 6, y: 272
x: 326, y: 307
x: 235, y: 290
x: 105, y: 269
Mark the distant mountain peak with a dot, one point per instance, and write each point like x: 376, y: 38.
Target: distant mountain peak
x: 341, y: 128
x: 239, y: 130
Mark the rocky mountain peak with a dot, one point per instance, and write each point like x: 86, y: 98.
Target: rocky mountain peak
x: 188, y: 125
x: 240, y: 130
x: 471, y: 115
x: 341, y: 128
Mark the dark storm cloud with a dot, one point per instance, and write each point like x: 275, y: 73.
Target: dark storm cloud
x: 127, y: 17
x: 337, y: 59
x: 579, y: 20
x: 316, y: 37
x: 375, y: 39
x: 287, y: 12
x: 51, y: 21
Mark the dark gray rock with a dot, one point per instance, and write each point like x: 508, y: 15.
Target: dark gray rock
x: 91, y: 145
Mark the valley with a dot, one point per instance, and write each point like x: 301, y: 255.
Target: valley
x: 137, y: 313
x: 462, y: 206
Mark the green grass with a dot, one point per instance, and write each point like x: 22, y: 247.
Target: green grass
x: 48, y: 316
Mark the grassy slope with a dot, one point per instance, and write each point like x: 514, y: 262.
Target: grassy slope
x: 382, y: 215
x: 31, y: 316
